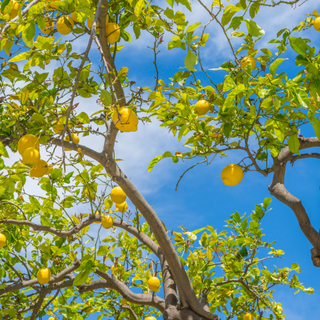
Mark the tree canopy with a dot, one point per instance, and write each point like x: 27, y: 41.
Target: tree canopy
x: 73, y: 247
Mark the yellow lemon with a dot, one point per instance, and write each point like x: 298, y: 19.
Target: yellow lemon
x: 49, y: 27
x: 316, y: 23
x: 90, y: 22
x: 117, y: 195
x: 49, y: 168
x: 107, y: 221
x: 3, y: 240
x: 63, y: 25
x: 59, y: 126
x: 52, y: 318
x: 202, y: 107
x: 75, y: 139
x: 154, y: 284
x: 126, y: 120
x: 44, y: 275
x: 74, y: 17
x: 39, y: 170
x: 248, y: 316
x: 88, y: 310
x: 122, y: 207
x: 27, y: 141
x: 246, y: 60
x: 113, y: 32
x: 150, y: 318
x: 232, y: 175
x: 15, y: 9
x: 31, y: 156
x: 278, y: 309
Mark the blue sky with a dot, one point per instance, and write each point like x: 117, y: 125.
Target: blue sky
x: 202, y: 199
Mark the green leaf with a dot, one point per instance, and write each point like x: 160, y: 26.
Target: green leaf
x: 228, y: 84
x: 21, y: 56
x: 83, y: 117
x: 229, y: 11
x: 298, y: 45
x: 169, y: 13
x: 103, y: 250
x: 81, y: 278
x: 187, y: 4
x: 254, y: 9
x: 243, y: 252
x: 266, y: 203
x: 193, y: 27
x: 273, y: 67
x: 155, y: 160
x: 295, y: 266
x: 3, y: 150
x: 191, y: 60
x: 138, y: 8
x: 106, y: 98
x: 294, y: 143
x: 309, y: 290
x: 315, y: 124
x: 171, y: 2
x: 4, y: 4
x: 236, y: 217
x: 45, y: 221
x: 253, y: 28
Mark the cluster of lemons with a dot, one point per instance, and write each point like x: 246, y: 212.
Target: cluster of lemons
x: 28, y: 147
x: 66, y: 23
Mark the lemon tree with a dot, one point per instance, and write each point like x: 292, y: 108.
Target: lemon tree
x: 71, y: 249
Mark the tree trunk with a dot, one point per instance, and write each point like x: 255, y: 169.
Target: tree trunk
x: 173, y: 313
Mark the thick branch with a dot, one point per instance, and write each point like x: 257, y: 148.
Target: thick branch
x: 110, y: 281
x: 182, y: 280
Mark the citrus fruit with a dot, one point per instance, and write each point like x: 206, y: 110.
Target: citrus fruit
x: 107, y: 221
x: 31, y: 156
x: 88, y: 310
x: 202, y: 107
x: 122, y: 207
x: 154, y: 284
x: 150, y: 318
x: 246, y: 60
x: 117, y: 195
x: 49, y: 168
x: 52, y: 318
x: 278, y: 309
x: 3, y: 240
x: 59, y: 126
x: 74, y: 17
x: 232, y: 175
x: 316, y: 23
x: 49, y: 27
x: 113, y: 32
x: 63, y: 25
x: 39, y: 170
x: 248, y: 316
x: 27, y: 141
x: 128, y: 121
x: 15, y: 9
x: 44, y: 275
x: 75, y: 139
x: 90, y: 22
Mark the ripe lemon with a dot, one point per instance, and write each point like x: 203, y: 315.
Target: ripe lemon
x: 107, y: 221
x: 117, y: 195
x: 62, y: 26
x: 52, y: 318
x: 278, y: 309
x: 59, y: 126
x: 202, y: 107
x: 74, y: 17
x: 3, y: 240
x: 44, y: 275
x: 15, y: 9
x: 154, y: 284
x: 49, y: 168
x: 316, y: 23
x: 232, y: 175
x: 246, y: 60
x: 39, y: 170
x: 27, y: 141
x: 49, y: 27
x: 90, y: 22
x: 75, y: 139
x: 31, y: 156
x: 128, y: 121
x: 113, y: 32
x: 248, y: 316
x: 88, y: 310
x: 150, y: 318
x: 122, y: 207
